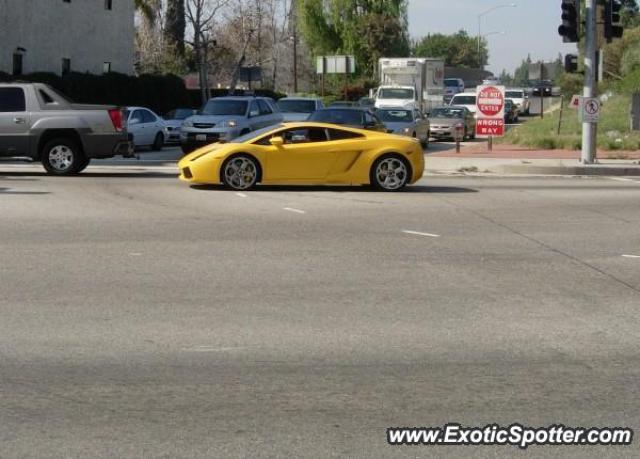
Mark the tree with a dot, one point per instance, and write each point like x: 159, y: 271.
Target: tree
x: 344, y: 26
x: 175, y: 24
x: 458, y: 50
x: 521, y: 75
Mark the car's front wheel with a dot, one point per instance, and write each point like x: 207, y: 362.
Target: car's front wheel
x: 390, y: 173
x: 240, y: 172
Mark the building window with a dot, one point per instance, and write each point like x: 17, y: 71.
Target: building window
x: 108, y: 4
x: 66, y: 65
x: 106, y: 67
x: 17, y: 64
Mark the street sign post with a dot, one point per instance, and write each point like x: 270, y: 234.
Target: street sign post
x: 490, y: 112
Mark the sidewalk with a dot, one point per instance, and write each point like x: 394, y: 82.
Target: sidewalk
x: 509, y: 159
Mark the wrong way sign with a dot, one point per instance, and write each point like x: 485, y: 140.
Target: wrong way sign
x: 490, y: 111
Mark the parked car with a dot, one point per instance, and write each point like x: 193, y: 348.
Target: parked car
x: 146, y: 127
x: 308, y: 153
x: 343, y: 103
x: 367, y: 102
x: 224, y: 118
x: 452, y: 86
x: 349, y: 116
x: 510, y: 112
x: 298, y: 108
x: 520, y: 98
x: 444, y: 121
x: 39, y: 123
x: 402, y: 121
x: 173, y: 121
x: 465, y: 99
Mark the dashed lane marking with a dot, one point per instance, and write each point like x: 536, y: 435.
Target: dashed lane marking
x: 291, y: 209
x: 418, y: 233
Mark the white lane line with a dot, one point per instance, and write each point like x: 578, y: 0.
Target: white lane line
x: 622, y: 179
x: 418, y: 233
x: 213, y: 349
x: 135, y: 254
x: 631, y: 256
x: 291, y: 209
x: 242, y: 195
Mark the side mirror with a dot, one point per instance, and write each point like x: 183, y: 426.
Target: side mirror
x: 276, y: 141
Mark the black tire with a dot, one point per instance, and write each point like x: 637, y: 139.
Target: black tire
x: 234, y: 180
x: 375, y: 179
x: 63, y: 156
x: 83, y: 165
x: 158, y: 142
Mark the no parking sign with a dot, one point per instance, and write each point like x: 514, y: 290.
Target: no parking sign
x: 490, y: 111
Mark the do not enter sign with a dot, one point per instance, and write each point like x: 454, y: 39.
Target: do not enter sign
x: 490, y: 111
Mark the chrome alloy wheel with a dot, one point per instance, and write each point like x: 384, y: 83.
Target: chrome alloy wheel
x: 240, y: 173
x: 391, y: 173
x: 61, y: 158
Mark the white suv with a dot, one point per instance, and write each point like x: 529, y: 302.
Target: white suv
x: 520, y: 98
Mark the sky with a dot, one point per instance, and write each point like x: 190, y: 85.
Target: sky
x: 529, y: 28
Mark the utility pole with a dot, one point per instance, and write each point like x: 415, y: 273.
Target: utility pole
x: 589, y: 130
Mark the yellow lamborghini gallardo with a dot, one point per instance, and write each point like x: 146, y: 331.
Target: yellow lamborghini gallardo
x: 307, y: 153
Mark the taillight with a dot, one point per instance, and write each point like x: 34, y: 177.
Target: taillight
x: 116, y: 118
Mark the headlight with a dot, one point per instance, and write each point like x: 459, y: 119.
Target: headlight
x: 407, y: 130
x: 231, y: 124
x: 187, y: 124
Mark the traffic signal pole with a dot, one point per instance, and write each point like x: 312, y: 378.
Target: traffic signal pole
x: 589, y: 129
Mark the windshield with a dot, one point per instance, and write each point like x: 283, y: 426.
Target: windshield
x: 516, y: 94
x: 296, y: 106
x: 225, y: 107
x: 347, y: 117
x: 395, y: 93
x: 395, y: 116
x: 451, y: 83
x: 463, y: 100
x: 178, y: 114
x: 447, y: 113
x: 255, y: 134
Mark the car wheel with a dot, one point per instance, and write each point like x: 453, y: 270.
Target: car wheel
x: 63, y: 157
x: 158, y: 142
x: 390, y: 173
x: 82, y: 164
x: 240, y: 172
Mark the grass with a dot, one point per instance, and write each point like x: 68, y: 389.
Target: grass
x: 613, y: 129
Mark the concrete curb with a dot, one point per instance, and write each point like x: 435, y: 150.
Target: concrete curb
x: 595, y: 169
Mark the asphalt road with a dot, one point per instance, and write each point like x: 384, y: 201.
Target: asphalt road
x: 140, y: 317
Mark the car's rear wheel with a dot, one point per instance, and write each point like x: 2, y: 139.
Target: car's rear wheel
x: 390, y: 173
x: 63, y: 157
x: 240, y: 172
x: 158, y: 142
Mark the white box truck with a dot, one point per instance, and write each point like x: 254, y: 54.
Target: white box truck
x: 410, y: 82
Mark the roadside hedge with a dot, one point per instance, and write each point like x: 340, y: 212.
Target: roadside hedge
x: 161, y: 93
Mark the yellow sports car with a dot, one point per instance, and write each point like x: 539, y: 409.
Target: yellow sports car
x: 307, y: 153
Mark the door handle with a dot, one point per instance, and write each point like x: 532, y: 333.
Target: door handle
x: 19, y: 120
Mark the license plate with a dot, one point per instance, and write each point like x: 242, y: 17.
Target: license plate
x: 201, y: 137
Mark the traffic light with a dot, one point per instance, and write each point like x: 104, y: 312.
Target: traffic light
x: 612, y: 26
x: 570, y: 21
x: 571, y: 63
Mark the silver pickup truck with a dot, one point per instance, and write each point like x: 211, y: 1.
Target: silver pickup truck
x: 39, y: 123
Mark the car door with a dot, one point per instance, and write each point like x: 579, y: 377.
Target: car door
x: 304, y: 156
x: 136, y: 126
x: 267, y: 115
x: 14, y: 122
x: 255, y: 120
x: 152, y: 125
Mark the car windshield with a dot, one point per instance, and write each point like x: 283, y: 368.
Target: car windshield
x: 516, y: 94
x: 296, y: 106
x: 178, y: 114
x: 255, y: 134
x: 463, y: 100
x: 447, y: 113
x: 451, y: 83
x: 225, y: 107
x: 397, y: 116
x: 348, y: 117
x: 395, y: 93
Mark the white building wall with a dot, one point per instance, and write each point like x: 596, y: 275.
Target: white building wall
x: 82, y: 30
